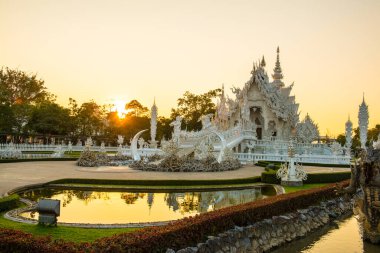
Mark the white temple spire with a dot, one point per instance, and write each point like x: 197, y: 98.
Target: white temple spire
x: 363, y: 122
x: 348, y: 135
x: 153, y: 124
x: 277, y: 71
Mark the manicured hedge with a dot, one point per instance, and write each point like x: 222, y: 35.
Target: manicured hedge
x: 156, y: 182
x: 37, y: 160
x: 265, y: 163
x: 270, y: 177
x: 9, y: 202
x: 179, y: 234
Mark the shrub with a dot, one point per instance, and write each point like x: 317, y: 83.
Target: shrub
x: 18, y: 241
x: 270, y: 177
x: 9, y: 202
x: 156, y: 182
x: 37, y: 159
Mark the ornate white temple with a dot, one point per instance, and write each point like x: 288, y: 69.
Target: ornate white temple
x: 259, y: 122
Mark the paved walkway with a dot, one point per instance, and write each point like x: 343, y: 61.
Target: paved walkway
x: 13, y: 175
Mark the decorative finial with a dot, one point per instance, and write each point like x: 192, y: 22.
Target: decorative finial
x: 263, y: 63
x: 277, y: 75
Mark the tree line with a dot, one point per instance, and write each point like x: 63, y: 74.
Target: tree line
x: 28, y: 110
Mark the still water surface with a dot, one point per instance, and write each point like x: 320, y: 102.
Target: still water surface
x: 345, y: 238
x: 108, y: 207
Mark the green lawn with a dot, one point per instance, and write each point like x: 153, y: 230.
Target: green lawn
x: 64, y: 233
x: 289, y: 189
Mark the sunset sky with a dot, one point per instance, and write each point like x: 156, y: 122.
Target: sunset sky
x: 121, y: 50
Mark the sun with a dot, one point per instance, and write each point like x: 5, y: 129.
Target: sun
x: 119, y: 107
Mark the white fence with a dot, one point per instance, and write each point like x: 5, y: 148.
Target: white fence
x: 318, y: 159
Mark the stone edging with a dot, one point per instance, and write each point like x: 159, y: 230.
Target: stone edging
x: 14, y: 215
x: 270, y: 233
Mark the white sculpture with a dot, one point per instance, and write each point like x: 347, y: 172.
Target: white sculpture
x: 141, y: 142
x: 134, y: 151
x: 70, y: 147
x: 120, y: 140
x: 88, y: 142
x: 348, y: 135
x: 307, y: 130
x: 176, y: 128
x: 336, y: 148
x: 291, y: 173
x: 222, y: 113
x: 206, y: 121
x: 102, y: 147
x: 363, y: 123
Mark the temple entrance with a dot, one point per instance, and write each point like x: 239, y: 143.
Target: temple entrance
x: 259, y: 133
x: 258, y: 120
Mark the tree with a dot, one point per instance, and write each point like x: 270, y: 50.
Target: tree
x: 90, y: 119
x: 19, y: 93
x: 191, y: 107
x: 17, y: 87
x: 50, y: 118
x: 135, y: 108
x: 341, y: 139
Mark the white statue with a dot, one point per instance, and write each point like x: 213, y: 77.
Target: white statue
x: 206, y: 121
x: 120, y: 140
x: 176, y: 128
x: 102, y: 147
x: 141, y: 142
x: 89, y: 142
x: 70, y: 147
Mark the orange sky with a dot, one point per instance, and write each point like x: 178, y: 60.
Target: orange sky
x: 122, y: 50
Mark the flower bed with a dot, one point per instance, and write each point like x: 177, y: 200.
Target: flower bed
x: 178, y: 234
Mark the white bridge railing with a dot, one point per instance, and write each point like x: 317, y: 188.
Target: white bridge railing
x: 318, y: 159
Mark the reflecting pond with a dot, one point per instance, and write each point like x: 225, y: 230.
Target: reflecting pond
x: 345, y: 237
x: 108, y: 207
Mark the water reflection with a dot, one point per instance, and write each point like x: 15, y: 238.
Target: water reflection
x: 345, y: 237
x: 125, y: 207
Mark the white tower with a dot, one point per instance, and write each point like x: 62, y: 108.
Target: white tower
x: 348, y: 134
x: 153, y: 125
x: 277, y: 71
x: 363, y: 123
